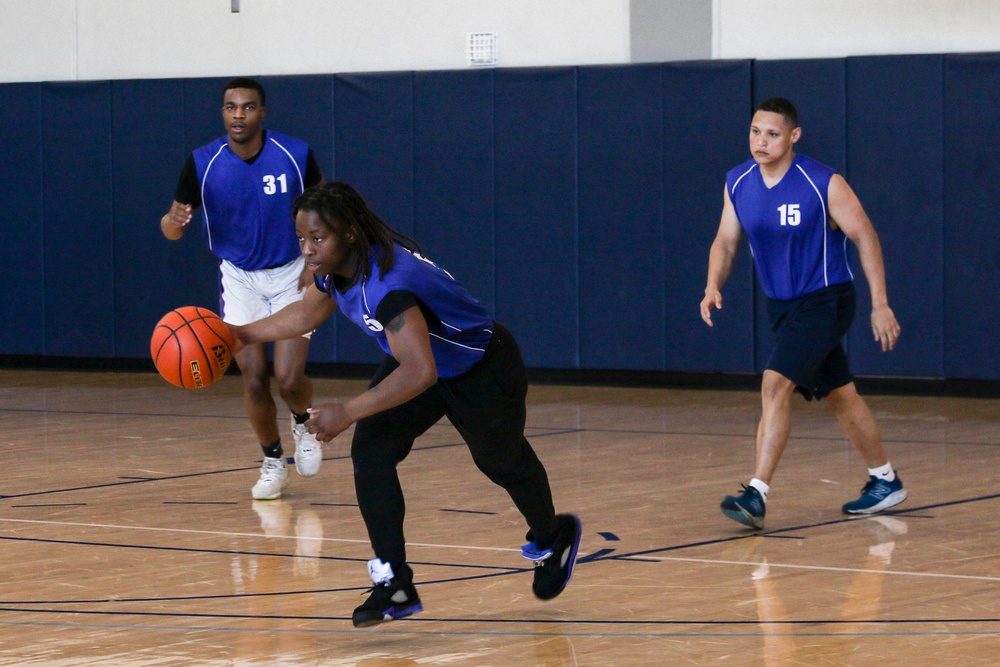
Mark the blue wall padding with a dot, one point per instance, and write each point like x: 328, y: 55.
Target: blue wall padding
x: 705, y: 110
x: 77, y: 221
x: 22, y: 236
x: 894, y: 166
x: 971, y: 201
x: 578, y: 203
x: 621, y: 253
x: 536, y: 232
x: 453, y: 175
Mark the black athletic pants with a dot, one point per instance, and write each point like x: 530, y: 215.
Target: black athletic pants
x: 487, y: 406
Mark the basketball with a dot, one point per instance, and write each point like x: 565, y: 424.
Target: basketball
x: 191, y: 347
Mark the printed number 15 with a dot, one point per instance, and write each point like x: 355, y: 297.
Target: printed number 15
x: 789, y: 214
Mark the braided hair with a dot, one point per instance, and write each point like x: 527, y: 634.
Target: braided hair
x: 345, y: 212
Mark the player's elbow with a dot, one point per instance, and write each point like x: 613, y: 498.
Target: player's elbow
x: 427, y: 376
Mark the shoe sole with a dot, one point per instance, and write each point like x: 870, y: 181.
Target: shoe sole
x: 571, y: 562
x: 385, y: 618
x: 742, y: 516
x: 890, y: 500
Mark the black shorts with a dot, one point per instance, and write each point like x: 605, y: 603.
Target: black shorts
x: 809, y: 330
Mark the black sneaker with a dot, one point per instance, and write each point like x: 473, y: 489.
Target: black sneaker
x: 554, y: 567
x: 393, y: 595
x: 747, y: 508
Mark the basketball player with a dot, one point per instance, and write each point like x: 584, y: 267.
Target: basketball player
x: 245, y: 183
x: 444, y: 356
x: 797, y: 215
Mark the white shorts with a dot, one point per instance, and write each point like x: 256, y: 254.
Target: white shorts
x: 248, y: 296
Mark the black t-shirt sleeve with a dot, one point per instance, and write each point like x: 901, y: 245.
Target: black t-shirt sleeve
x: 188, y: 191
x: 314, y: 176
x: 393, y: 304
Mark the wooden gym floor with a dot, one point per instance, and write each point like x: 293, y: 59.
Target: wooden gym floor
x: 128, y: 537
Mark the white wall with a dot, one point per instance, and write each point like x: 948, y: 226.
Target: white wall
x: 774, y: 29
x: 115, y: 39
x: 44, y: 40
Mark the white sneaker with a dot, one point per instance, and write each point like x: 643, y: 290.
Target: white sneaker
x: 308, y: 450
x: 273, y: 480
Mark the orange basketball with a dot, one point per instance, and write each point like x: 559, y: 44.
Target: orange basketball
x: 191, y: 347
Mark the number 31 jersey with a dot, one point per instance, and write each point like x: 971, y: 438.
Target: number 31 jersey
x: 247, y: 207
x: 795, y: 251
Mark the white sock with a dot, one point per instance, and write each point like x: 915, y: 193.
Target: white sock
x: 760, y: 486
x: 883, y: 472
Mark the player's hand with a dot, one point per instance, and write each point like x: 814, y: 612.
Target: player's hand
x: 713, y: 299
x: 238, y: 343
x: 885, y: 327
x: 328, y: 421
x: 180, y: 215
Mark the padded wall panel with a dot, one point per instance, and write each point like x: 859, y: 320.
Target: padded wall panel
x: 22, y: 270
x: 536, y: 214
x: 621, y: 220
x: 453, y: 175
x: 77, y: 227
x: 972, y: 199
x: 705, y: 121
x: 302, y: 106
x: 895, y: 166
x: 373, y: 151
x: 817, y: 88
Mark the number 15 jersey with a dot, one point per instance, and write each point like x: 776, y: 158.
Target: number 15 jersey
x: 795, y: 251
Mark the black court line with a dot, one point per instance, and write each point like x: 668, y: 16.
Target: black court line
x: 821, y: 524
x: 495, y: 571
x: 225, y: 471
x: 52, y: 505
x: 200, y: 502
x: 467, y: 511
x: 423, y: 620
x: 552, y: 430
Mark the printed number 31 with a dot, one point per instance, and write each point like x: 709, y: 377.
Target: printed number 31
x: 270, y: 188
x: 789, y: 214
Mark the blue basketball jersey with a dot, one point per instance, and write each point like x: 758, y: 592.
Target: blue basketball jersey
x: 794, y: 249
x: 463, y: 330
x: 247, y: 208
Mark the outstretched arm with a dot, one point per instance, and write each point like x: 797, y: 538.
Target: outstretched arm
x: 720, y: 258
x: 291, y: 321
x: 847, y: 214
x: 410, y: 343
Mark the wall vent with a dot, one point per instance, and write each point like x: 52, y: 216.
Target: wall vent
x: 482, y: 49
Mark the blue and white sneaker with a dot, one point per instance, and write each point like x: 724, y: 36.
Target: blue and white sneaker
x: 554, y: 567
x: 747, y: 508
x: 877, y: 495
x: 392, y: 596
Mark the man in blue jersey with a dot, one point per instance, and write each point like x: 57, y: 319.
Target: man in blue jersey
x: 444, y: 356
x: 245, y: 183
x: 798, y: 215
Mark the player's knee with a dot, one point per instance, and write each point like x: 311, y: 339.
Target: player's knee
x: 256, y: 384
x: 776, y: 386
